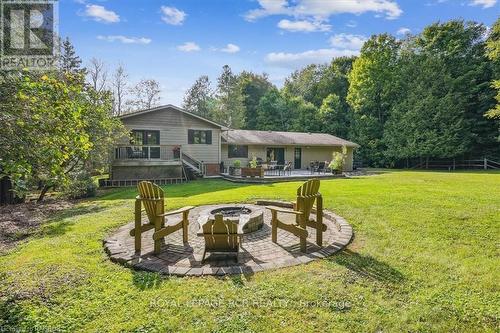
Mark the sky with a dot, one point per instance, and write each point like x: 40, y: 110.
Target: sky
x: 175, y: 42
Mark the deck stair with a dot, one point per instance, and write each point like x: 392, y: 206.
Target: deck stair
x: 193, y: 168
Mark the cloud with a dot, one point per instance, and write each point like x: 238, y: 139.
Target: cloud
x: 101, y: 14
x: 172, y: 15
x: 189, y: 47
x: 347, y: 41
x: 322, y: 10
x: 483, y: 3
x: 295, y: 60
x: 125, y: 39
x: 352, y: 24
x: 403, y: 31
x: 230, y: 48
x: 303, y: 26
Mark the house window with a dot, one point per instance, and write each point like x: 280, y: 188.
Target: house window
x: 145, y: 137
x: 237, y: 151
x: 199, y: 137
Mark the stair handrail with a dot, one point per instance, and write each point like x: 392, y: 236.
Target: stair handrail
x: 194, y: 162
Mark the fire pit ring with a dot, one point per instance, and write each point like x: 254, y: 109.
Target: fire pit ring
x: 252, y: 216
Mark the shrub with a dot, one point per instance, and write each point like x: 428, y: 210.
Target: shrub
x: 237, y: 164
x: 253, y: 162
x: 82, y: 185
x: 338, y: 160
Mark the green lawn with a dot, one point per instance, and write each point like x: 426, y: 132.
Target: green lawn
x: 424, y: 258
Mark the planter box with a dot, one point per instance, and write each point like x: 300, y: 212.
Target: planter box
x: 252, y: 172
x: 234, y: 171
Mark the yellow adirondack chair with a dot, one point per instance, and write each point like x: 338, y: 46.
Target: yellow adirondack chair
x: 152, y: 197
x: 297, y: 220
x: 220, y: 236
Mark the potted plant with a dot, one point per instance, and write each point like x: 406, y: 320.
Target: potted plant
x: 177, y: 152
x: 253, y: 170
x: 235, y: 170
x: 338, y: 161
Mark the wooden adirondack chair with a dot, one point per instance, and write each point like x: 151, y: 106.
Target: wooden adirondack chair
x: 220, y: 236
x: 152, y: 197
x: 297, y: 220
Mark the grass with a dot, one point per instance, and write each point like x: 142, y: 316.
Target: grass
x: 424, y: 259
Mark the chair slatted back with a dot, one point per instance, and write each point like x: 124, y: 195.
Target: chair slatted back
x: 307, y: 195
x: 221, y: 235
x: 152, y: 197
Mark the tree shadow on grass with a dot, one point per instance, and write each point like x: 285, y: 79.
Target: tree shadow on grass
x: 59, y: 224
x: 147, y: 280
x: 368, y: 267
x: 11, y: 315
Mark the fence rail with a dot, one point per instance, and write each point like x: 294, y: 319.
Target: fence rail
x: 453, y: 164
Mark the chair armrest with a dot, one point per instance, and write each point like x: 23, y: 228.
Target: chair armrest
x: 240, y: 230
x: 201, y: 222
x: 283, y: 210
x: 178, y: 211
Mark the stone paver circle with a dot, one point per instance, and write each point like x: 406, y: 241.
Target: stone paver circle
x: 257, y: 253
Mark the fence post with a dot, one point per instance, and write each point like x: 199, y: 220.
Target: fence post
x: 485, y: 164
x: 453, y: 163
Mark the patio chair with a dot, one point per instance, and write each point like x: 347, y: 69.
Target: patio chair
x: 152, y: 197
x: 321, y: 167
x: 312, y: 166
x: 287, y: 169
x: 221, y: 236
x: 297, y: 220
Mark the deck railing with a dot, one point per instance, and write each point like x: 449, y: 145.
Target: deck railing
x: 150, y: 152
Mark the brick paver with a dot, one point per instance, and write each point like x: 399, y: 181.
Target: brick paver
x: 257, y: 251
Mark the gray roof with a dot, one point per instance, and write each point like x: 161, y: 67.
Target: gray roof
x: 248, y: 137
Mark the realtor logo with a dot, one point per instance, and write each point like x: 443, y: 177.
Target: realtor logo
x: 28, y: 34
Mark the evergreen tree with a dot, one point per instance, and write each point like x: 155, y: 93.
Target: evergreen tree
x: 229, y: 109
x: 69, y: 61
x: 199, y: 98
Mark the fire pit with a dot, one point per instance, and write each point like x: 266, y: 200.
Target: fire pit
x: 251, y: 216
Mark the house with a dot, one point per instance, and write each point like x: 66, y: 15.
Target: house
x: 167, y: 141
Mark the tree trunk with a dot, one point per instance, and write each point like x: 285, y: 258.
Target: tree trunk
x: 44, y: 191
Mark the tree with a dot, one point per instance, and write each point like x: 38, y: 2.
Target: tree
x: 120, y: 87
x: 305, y: 115
x: 493, y: 52
x: 305, y: 83
x: 146, y: 94
x: 52, y: 128
x: 229, y: 109
x: 335, y: 116
x: 372, y: 93
x: 69, y: 61
x: 253, y: 87
x: 273, y: 113
x: 445, y: 79
x: 98, y: 74
x: 199, y: 98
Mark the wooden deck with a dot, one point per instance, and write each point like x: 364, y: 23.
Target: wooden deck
x: 294, y: 175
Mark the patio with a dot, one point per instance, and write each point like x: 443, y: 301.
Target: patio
x: 280, y: 175
x: 257, y: 252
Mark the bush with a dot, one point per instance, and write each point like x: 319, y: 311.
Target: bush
x: 253, y: 162
x: 80, y: 186
x: 338, y: 160
x: 237, y: 164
